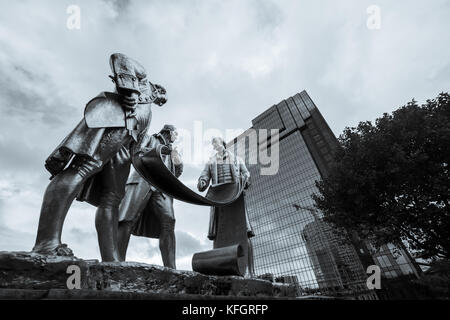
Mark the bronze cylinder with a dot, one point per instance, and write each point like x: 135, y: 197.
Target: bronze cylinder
x: 220, y: 261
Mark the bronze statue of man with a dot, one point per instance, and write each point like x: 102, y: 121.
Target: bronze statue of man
x: 225, y: 167
x: 147, y: 212
x: 92, y: 163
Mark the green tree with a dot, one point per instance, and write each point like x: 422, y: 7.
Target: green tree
x: 390, y: 180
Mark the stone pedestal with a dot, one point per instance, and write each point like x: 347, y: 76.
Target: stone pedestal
x: 34, y: 276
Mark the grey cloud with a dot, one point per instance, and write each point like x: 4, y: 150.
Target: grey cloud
x: 268, y: 14
x: 79, y: 235
x: 142, y: 249
x: 8, y: 190
x: 28, y: 105
x: 13, y: 240
x: 119, y: 5
x: 83, y: 243
x: 187, y: 244
x: 19, y: 156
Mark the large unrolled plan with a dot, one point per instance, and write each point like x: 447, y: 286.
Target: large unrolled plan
x: 152, y: 168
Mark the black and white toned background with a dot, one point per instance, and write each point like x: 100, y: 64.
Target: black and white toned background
x: 222, y: 63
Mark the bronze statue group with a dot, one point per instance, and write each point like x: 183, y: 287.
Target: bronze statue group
x: 94, y: 164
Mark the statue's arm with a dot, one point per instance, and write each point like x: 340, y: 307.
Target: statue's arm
x: 145, y: 142
x: 205, y: 177
x: 245, y: 174
x: 178, y: 163
x: 178, y: 170
x: 152, y: 142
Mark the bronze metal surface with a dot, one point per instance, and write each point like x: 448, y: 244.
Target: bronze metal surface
x: 105, y: 112
x: 231, y: 232
x: 220, y: 261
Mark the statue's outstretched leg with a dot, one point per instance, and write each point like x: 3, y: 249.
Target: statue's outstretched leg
x: 58, y: 198
x: 113, y: 179
x: 163, y: 207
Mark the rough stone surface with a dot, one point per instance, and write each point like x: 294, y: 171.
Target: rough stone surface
x: 24, y: 274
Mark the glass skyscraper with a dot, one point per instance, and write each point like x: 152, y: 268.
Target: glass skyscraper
x: 292, y: 243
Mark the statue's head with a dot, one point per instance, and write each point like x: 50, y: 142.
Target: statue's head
x: 130, y: 78
x: 170, y: 132
x: 128, y: 74
x: 218, y: 144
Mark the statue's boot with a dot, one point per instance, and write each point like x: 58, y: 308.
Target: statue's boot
x: 58, y: 198
x: 131, y: 207
x: 167, y: 243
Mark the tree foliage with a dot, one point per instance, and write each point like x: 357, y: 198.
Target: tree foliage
x: 390, y: 180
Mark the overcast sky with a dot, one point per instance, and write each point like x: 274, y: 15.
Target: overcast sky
x: 222, y: 63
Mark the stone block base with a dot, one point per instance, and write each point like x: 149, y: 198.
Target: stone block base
x: 25, y: 275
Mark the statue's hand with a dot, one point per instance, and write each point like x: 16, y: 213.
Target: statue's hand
x: 54, y: 166
x: 167, y: 150
x: 143, y: 151
x: 129, y: 102
x: 201, y: 186
x: 160, y: 94
x: 57, y: 161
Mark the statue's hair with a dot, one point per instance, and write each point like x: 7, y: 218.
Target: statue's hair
x: 219, y: 139
x: 168, y: 128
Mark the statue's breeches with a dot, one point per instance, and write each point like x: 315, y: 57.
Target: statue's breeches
x: 135, y: 200
x: 162, y: 206
x: 157, y: 215
x: 107, y: 188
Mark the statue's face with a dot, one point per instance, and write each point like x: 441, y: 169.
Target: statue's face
x: 217, y: 145
x: 173, y: 136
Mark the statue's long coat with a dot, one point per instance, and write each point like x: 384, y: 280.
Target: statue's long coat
x: 240, y: 174
x: 106, y: 141
x: 135, y: 205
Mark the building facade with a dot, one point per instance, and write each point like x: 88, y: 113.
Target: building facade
x: 394, y: 261
x: 292, y: 242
